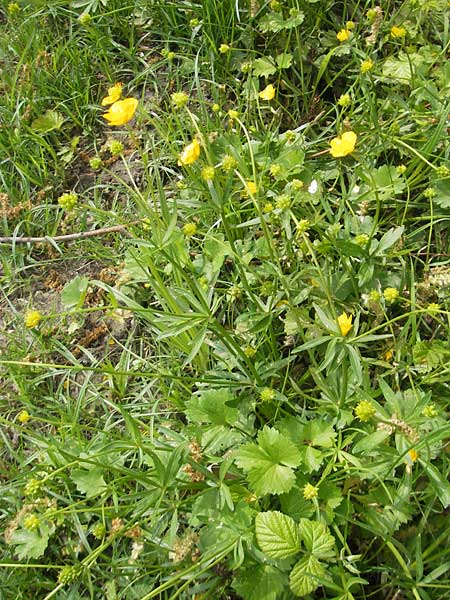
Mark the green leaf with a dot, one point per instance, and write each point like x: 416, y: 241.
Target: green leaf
x: 312, y: 458
x: 74, y: 292
x: 370, y: 441
x: 32, y: 544
x: 275, y: 22
x: 442, y: 189
x: 305, y: 575
x: 400, y: 70
x: 320, y: 433
x: 439, y: 483
x: 263, y: 67
x: 317, y: 539
x: 429, y: 355
x: 89, y: 482
x: 262, y: 582
x: 284, y: 60
x: 269, y: 463
x: 390, y: 238
x: 49, y: 121
x: 210, y: 406
x: 277, y: 534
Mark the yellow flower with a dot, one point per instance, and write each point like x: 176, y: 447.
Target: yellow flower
x: 364, y: 411
x: 23, y: 416
x: 250, y: 188
x: 366, y: 65
x: 343, y: 145
x: 224, y: 48
x: 345, y: 323
x: 398, y: 32
x: 114, y: 94
x: 208, y: 173
x: 190, y: 154
x: 32, y: 318
x: 310, y: 491
x: 121, y: 112
x: 343, y: 35
x: 189, y: 229
x: 268, y: 93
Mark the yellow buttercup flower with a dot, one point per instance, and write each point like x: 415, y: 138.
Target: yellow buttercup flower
x: 32, y: 318
x: 190, y: 154
x: 24, y: 416
x: 398, y: 32
x: 121, y: 111
x: 268, y: 93
x: 250, y: 188
x: 114, y: 94
x: 345, y: 323
x: 366, y: 65
x: 413, y: 455
x: 343, y: 145
x: 343, y: 35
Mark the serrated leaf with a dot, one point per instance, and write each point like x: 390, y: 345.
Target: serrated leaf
x: 284, y: 60
x: 275, y: 22
x: 317, y: 539
x: 49, y: 121
x: 277, y: 534
x: 305, y: 576
x: 320, y: 433
x: 32, y: 544
x: 263, y: 67
x: 429, y: 355
x: 442, y: 189
x: 312, y: 458
x: 269, y: 463
x: 89, y: 482
x: 74, y: 292
x: 263, y: 582
x: 211, y: 406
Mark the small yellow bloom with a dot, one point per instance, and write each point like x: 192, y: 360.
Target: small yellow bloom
x: 345, y: 323
x: 343, y: 145
x: 412, y: 456
x: 310, y: 491
x: 229, y: 163
x: 350, y: 25
x: 388, y: 355
x: 344, y: 100
x: 224, y: 48
x: 343, y: 35
x: 391, y: 294
x: 32, y: 318
x: 250, y: 188
x: 121, y: 111
x: 268, y: 93
x: 190, y: 154
x: 366, y: 65
x: 189, y: 229
x: 398, y: 32
x: 208, y: 173
x: 233, y: 114
x: 24, y: 416
x: 114, y: 94
x: 179, y: 99
x: 364, y: 411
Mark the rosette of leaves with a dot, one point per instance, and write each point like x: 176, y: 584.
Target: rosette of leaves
x: 280, y: 537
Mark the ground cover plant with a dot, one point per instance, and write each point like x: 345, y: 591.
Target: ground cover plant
x: 224, y: 311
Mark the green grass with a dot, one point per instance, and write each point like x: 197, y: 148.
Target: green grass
x: 244, y: 392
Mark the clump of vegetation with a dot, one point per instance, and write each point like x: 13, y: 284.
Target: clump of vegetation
x: 225, y: 300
